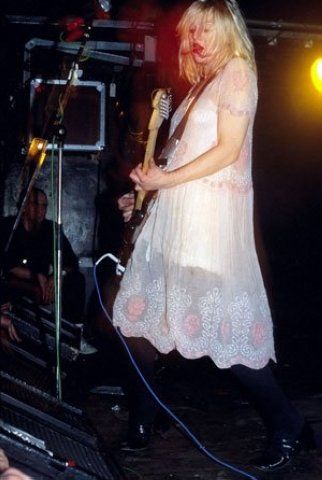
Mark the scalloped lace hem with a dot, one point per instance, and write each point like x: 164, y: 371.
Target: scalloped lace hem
x: 222, y: 363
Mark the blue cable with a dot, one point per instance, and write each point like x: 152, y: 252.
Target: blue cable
x: 154, y: 395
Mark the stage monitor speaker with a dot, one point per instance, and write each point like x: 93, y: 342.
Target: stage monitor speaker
x: 49, y: 439
x: 37, y: 330
x: 15, y: 386
x: 34, y: 357
x: 84, y: 116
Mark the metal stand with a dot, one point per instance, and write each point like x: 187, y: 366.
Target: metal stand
x: 60, y: 136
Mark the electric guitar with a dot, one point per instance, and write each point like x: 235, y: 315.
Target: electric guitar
x: 161, y: 108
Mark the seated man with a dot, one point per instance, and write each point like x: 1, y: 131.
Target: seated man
x: 28, y: 263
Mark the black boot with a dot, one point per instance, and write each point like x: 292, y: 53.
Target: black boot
x: 282, y: 450
x: 138, y: 438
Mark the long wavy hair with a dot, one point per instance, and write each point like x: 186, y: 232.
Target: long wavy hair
x: 231, y: 38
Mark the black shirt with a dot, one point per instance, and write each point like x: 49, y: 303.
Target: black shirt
x: 33, y: 250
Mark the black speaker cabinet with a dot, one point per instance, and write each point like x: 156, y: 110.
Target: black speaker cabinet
x: 49, y: 439
x: 84, y: 115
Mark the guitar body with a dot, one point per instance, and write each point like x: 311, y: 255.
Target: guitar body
x: 133, y: 228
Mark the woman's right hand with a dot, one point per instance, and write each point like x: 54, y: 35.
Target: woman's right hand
x: 126, y: 205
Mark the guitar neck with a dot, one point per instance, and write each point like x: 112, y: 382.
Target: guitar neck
x: 149, y: 153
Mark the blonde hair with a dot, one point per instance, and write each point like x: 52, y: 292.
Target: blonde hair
x: 231, y: 38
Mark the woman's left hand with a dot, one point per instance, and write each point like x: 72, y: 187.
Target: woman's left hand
x: 154, y: 179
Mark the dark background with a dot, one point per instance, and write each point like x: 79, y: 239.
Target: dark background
x: 287, y: 151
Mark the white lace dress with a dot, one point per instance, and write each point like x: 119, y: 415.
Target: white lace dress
x: 193, y: 282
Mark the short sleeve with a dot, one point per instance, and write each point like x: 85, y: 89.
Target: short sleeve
x: 238, y: 88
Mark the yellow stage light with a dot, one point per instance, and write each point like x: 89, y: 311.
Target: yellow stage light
x: 316, y: 74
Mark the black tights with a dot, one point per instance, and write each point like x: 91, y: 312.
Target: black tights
x: 142, y: 407
x: 278, y: 414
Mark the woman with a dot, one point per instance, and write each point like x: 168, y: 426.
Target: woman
x: 193, y: 282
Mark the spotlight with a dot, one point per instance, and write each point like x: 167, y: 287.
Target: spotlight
x: 102, y: 9
x: 105, y: 5
x: 316, y: 74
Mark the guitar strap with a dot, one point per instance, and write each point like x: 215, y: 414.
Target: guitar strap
x: 178, y: 132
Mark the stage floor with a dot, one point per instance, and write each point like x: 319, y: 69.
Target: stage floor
x: 211, y: 404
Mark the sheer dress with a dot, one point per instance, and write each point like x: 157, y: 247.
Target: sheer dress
x: 193, y: 282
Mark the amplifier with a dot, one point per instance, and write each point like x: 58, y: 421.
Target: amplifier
x: 84, y: 116
x: 60, y: 450
x: 37, y: 329
x: 36, y: 326
x: 42, y: 400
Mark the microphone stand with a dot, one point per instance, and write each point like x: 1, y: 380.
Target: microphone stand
x: 59, y: 134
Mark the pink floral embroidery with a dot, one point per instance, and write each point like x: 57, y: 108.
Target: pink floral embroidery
x: 258, y: 333
x: 135, y: 307
x: 192, y: 325
x: 225, y: 330
x: 240, y: 189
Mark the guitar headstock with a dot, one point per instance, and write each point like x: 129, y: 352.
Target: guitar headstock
x: 161, y: 104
